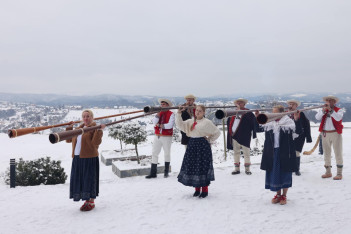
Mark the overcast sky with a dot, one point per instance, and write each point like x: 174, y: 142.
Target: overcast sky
x: 164, y: 47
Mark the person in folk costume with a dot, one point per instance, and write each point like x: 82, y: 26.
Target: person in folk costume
x: 163, y: 121
x: 197, y: 167
x: 187, y: 114
x: 84, y: 181
x: 305, y: 135
x: 279, y: 154
x: 331, y: 130
x: 240, y: 129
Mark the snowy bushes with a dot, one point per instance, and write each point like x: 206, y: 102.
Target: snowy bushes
x: 257, y: 149
x: 36, y: 172
x: 116, y: 133
x: 177, y: 137
x: 129, y: 133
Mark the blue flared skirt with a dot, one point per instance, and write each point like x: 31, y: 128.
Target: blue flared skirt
x: 197, y: 167
x: 84, y: 183
x: 277, y: 179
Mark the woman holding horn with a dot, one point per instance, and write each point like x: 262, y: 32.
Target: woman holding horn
x: 84, y: 181
x: 279, y: 154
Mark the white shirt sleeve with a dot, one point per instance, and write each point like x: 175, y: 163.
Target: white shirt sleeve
x: 215, y: 133
x: 155, y: 120
x: 170, y: 123
x: 180, y: 123
x: 338, y: 115
x: 319, y: 114
x: 214, y: 136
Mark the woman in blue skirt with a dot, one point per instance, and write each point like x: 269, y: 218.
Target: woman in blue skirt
x: 84, y: 183
x: 279, y: 155
x: 197, y: 167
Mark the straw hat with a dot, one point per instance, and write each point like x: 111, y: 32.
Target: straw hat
x: 330, y: 97
x: 242, y: 100
x: 298, y: 103
x: 165, y: 100
x: 190, y: 96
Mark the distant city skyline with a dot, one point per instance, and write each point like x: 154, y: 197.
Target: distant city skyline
x: 172, y: 48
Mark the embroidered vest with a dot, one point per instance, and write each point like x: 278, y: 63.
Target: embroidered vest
x: 337, y: 124
x: 164, y: 119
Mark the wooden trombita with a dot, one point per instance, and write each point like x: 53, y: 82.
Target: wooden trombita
x: 12, y: 133
x: 148, y: 109
x: 268, y: 117
x: 65, y: 135
x: 314, y: 147
x: 220, y: 114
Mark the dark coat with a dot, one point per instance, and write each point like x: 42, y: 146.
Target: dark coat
x: 287, y: 151
x: 185, y: 138
x: 246, y: 129
x: 306, y: 133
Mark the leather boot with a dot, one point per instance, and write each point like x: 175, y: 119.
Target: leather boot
x: 338, y: 172
x: 204, y: 192
x: 328, y: 173
x: 237, y: 169
x: 197, y: 191
x: 247, y: 169
x: 153, y: 172
x: 166, y: 169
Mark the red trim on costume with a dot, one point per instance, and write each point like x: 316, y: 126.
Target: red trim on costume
x: 232, y: 122
x: 194, y: 124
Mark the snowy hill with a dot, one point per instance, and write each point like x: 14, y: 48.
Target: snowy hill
x: 236, y: 204
x: 110, y: 100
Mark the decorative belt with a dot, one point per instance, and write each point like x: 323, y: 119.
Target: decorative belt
x: 325, y: 132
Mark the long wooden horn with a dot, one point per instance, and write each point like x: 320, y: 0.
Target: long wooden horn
x: 65, y: 135
x: 314, y: 147
x: 12, y: 133
x: 220, y: 114
x: 148, y: 109
x: 268, y: 117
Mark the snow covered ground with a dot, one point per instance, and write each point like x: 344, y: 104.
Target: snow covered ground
x: 236, y: 204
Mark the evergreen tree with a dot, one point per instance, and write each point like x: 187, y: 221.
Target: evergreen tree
x: 36, y: 172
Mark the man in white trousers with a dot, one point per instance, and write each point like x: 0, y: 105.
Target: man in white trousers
x: 163, y: 121
x: 331, y: 130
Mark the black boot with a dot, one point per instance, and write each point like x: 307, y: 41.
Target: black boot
x: 197, y: 192
x: 298, y: 166
x: 203, y: 195
x: 166, y: 169
x: 153, y: 172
